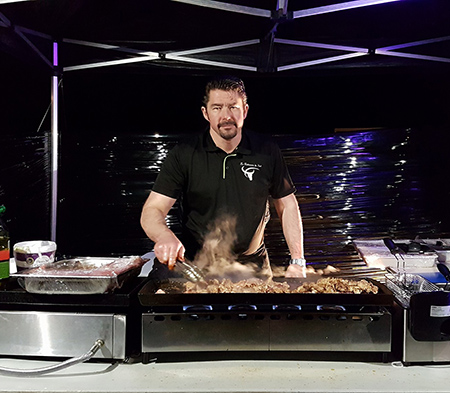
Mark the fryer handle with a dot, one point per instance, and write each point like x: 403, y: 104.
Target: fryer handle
x: 443, y: 269
x: 56, y: 367
x: 393, y: 248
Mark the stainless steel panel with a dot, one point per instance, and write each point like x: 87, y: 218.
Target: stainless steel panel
x: 173, y: 332
x: 204, y: 332
x: 423, y: 351
x: 53, y: 334
x: 119, y: 336
x: 332, y: 332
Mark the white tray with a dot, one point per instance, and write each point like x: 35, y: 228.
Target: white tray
x: 376, y: 254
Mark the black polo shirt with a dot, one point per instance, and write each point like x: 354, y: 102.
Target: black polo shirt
x: 212, y: 184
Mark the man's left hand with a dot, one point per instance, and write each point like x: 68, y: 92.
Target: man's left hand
x: 295, y: 271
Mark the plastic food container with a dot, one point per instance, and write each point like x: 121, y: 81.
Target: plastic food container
x: 34, y: 253
x: 376, y: 254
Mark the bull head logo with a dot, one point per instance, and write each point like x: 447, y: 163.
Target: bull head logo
x: 249, y: 171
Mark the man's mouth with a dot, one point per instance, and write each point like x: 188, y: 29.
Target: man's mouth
x: 227, y: 124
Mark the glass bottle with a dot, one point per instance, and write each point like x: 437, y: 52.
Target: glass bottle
x: 4, y: 247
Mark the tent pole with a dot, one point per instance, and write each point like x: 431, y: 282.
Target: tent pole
x: 54, y: 141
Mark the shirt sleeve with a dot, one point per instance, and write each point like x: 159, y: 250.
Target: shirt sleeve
x: 171, y: 179
x: 282, y: 184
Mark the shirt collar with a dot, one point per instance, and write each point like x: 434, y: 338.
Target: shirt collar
x: 244, y: 146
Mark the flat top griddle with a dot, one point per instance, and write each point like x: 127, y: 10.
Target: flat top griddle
x: 149, y: 298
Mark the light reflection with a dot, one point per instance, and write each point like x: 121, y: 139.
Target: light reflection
x: 348, y: 205
x: 373, y: 261
x: 163, y: 151
x: 45, y: 330
x: 399, y: 145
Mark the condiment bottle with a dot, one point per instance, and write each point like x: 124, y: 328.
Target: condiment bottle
x: 4, y: 247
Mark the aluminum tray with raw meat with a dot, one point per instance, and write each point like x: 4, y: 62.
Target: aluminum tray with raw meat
x: 80, y: 276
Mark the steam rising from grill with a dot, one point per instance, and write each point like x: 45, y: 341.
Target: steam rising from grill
x: 217, y: 259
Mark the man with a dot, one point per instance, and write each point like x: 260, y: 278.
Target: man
x: 226, y: 172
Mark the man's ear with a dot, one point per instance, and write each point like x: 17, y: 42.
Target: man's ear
x: 245, y: 110
x: 205, y: 113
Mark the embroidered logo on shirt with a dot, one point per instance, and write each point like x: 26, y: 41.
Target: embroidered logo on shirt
x: 249, y: 169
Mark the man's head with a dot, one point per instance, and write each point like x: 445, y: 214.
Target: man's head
x: 225, y: 107
x: 227, y: 83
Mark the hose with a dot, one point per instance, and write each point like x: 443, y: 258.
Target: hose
x: 56, y: 367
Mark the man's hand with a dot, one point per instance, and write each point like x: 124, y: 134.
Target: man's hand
x: 168, y: 249
x: 295, y: 271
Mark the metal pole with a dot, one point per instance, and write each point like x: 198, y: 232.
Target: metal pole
x: 54, y: 142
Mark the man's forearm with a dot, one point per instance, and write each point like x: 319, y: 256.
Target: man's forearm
x: 293, y: 231
x: 168, y: 248
x: 153, y: 216
x: 154, y: 223
x: 291, y: 221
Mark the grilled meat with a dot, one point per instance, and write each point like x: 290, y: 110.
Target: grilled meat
x: 323, y: 285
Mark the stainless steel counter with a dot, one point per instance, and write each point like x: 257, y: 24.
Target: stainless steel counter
x: 229, y: 376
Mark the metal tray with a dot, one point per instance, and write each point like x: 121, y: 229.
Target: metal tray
x: 80, y: 276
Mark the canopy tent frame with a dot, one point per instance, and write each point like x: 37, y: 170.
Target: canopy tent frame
x: 56, y: 77
x: 265, y: 62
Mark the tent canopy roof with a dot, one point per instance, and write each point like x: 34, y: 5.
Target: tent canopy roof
x: 286, y: 37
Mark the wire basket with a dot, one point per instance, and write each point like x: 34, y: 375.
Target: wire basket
x: 404, y: 285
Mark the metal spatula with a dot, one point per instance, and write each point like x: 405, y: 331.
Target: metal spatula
x: 190, y: 271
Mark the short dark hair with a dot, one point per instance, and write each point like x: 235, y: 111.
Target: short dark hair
x: 227, y: 83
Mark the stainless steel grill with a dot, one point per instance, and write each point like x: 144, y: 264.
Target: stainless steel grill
x: 272, y: 323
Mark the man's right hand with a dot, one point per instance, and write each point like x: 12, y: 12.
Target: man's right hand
x: 168, y: 249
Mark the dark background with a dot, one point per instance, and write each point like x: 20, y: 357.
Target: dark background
x: 109, y: 116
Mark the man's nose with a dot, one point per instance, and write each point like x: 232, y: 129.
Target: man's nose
x: 227, y: 114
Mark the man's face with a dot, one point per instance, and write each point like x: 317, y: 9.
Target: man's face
x: 225, y: 112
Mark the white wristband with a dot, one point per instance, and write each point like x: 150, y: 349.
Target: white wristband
x: 298, y: 261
